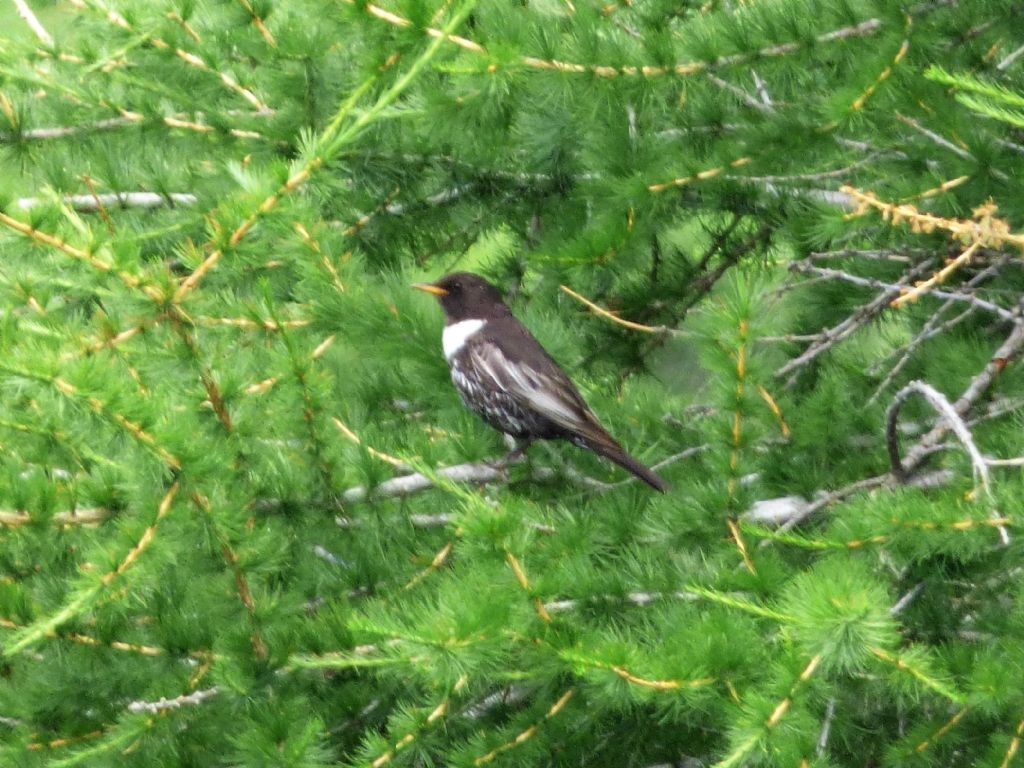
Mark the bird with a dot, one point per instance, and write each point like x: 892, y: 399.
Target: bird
x: 504, y: 375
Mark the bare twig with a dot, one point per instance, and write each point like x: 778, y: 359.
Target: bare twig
x: 481, y: 473
x: 1014, y: 462
x: 825, y: 499
x: 743, y: 96
x: 475, y: 473
x: 955, y: 423
x: 762, y: 89
x: 95, y: 203
x: 899, y: 287
x: 831, y: 336
x: 33, y: 22
x: 906, y: 599
x: 826, y: 727
x: 83, y: 516
x: 162, y: 704
x: 1009, y: 59
x: 934, y: 137
x: 1009, y: 349
x: 933, y: 327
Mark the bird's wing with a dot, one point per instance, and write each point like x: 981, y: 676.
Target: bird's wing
x: 536, y: 382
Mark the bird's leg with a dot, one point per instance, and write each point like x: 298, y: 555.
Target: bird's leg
x: 517, y: 447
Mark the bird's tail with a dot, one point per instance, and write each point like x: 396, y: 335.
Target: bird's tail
x: 612, y: 450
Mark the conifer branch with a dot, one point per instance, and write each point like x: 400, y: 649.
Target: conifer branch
x: 739, y: 603
x: 259, y: 23
x: 901, y: 287
x: 984, y: 228
x: 602, y: 312
x: 531, y: 731
x: 736, y: 433
x: 921, y: 675
x: 241, y: 581
x: 1011, y: 751
x: 436, y: 714
x: 967, y: 524
x: 1009, y: 349
x: 932, y: 327
x: 195, y: 122
x: 681, y: 69
x: 828, y: 338
x: 60, y: 244
x: 88, y: 596
x: 182, y: 328
x: 82, y: 639
x: 670, y: 684
x: 353, y: 437
x: 708, y: 173
x: 301, y: 368
x: 67, y: 741
x: 77, y: 516
x: 740, y: 753
x: 524, y: 582
x: 192, y: 59
x: 437, y: 562
x: 859, y: 102
x: 100, y: 408
x: 934, y: 137
x: 327, y: 145
x: 946, y: 728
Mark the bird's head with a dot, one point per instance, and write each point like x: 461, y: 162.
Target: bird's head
x: 465, y: 296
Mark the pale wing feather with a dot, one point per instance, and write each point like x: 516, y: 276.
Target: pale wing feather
x: 536, y: 391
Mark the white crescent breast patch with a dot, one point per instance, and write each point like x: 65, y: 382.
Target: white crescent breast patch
x: 457, y: 334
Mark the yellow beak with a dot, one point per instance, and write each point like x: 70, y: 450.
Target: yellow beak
x: 430, y: 288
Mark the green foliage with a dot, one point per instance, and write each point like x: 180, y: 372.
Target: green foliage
x: 210, y: 382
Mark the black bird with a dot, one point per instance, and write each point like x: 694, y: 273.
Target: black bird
x: 505, y: 375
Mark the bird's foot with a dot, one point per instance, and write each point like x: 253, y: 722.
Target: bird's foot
x: 514, y: 456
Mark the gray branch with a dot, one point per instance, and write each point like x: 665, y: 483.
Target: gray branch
x: 162, y: 704
x: 94, y: 203
x: 484, y: 472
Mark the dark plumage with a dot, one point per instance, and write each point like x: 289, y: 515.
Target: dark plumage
x: 505, y: 375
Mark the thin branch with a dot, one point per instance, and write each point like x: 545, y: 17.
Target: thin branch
x: 1009, y: 349
x: 33, y: 22
x: 953, y: 419
x: 615, y: 318
x: 934, y: 137
x: 907, y: 599
x: 194, y: 122
x: 826, y: 727
x: 899, y: 287
x: 95, y: 203
x: 162, y: 705
x: 1015, y: 462
x: 484, y: 472
x: 933, y: 327
x: 1009, y: 59
x: 832, y: 336
x: 746, y: 98
x: 83, y: 516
